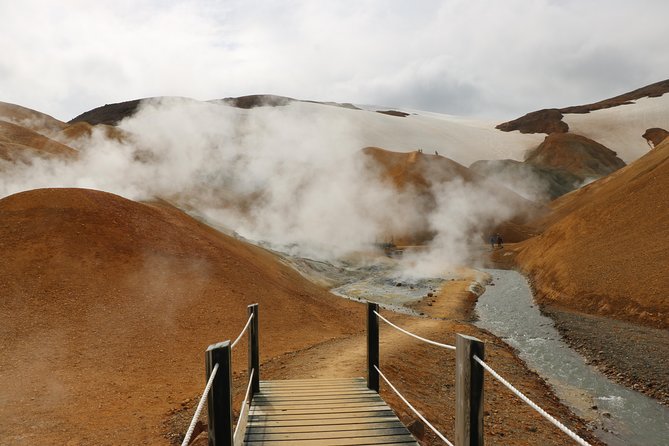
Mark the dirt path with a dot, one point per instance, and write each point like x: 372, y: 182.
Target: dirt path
x: 425, y: 375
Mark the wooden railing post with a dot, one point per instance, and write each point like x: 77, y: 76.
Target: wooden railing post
x: 372, y: 346
x: 219, y: 401
x: 254, y: 352
x: 468, y: 391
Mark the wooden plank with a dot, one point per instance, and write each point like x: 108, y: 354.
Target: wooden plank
x: 314, y: 393
x: 317, y: 391
x: 379, y: 408
x: 279, y: 382
x: 288, y: 416
x: 326, y: 423
x: 297, y: 397
x: 323, y: 427
x: 313, y: 386
x: 316, y: 406
x: 334, y: 412
x: 266, y: 390
x: 275, y: 436
x: 407, y: 438
x: 316, y: 385
x: 314, y: 401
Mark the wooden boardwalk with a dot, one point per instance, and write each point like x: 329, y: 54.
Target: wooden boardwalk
x: 321, y: 412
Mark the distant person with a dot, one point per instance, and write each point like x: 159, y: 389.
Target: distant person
x: 436, y: 153
x: 499, y: 240
x: 493, y: 239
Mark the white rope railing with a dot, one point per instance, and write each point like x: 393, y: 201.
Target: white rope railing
x: 439, y: 434
x: 532, y: 404
x: 245, y: 408
x: 438, y: 344
x: 200, y: 405
x: 243, y: 331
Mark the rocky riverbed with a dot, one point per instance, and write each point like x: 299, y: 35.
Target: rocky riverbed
x: 632, y: 355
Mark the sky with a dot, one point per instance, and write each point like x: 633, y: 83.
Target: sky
x: 483, y: 58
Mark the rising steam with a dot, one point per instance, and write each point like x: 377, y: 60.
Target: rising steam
x: 286, y: 176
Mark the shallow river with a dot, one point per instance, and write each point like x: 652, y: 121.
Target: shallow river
x: 621, y: 416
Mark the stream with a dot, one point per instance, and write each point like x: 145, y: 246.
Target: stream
x: 619, y: 416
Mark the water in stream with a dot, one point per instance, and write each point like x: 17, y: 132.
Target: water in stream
x: 622, y: 416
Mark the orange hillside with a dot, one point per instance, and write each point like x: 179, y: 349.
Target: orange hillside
x: 417, y: 176
x: 31, y: 119
x: 107, y: 306
x: 21, y: 143
x: 605, y: 248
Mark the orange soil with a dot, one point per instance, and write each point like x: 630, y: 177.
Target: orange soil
x: 84, y: 130
x: 576, y: 154
x: 31, y: 119
x: 108, y: 305
x: 416, y: 169
x: 425, y: 375
x: 604, y: 247
x: 415, y: 174
x: 21, y: 143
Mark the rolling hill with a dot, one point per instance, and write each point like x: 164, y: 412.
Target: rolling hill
x: 603, y: 249
x: 22, y: 144
x: 420, y: 178
x: 106, y: 297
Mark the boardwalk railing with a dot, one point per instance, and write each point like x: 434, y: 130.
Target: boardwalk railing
x: 469, y: 374
x: 218, y: 391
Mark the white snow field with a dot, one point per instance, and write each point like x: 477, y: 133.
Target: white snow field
x: 463, y: 140
x: 620, y: 128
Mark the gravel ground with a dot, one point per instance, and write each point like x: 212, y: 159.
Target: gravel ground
x: 632, y: 355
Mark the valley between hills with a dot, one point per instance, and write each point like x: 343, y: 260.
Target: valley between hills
x: 135, y: 235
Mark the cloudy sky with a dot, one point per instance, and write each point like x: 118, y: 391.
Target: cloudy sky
x: 496, y: 59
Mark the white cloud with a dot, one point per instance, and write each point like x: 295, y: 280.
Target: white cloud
x: 483, y: 57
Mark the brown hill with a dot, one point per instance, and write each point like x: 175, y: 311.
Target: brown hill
x: 83, y: 131
x: 540, y: 121
x: 109, y: 114
x: 418, y: 176
x: 31, y: 119
x: 560, y: 164
x: 655, y: 136
x: 604, y: 247
x: 551, y: 182
x: 258, y: 100
x: 550, y: 120
x: 112, y: 114
x: 107, y: 306
x: 575, y: 154
x: 416, y: 168
x: 19, y: 143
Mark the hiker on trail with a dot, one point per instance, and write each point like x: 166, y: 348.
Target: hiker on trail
x: 499, y: 240
x: 493, y: 239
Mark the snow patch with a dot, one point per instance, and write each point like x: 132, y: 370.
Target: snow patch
x: 620, y: 128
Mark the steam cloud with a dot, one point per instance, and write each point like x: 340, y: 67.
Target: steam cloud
x: 286, y: 176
